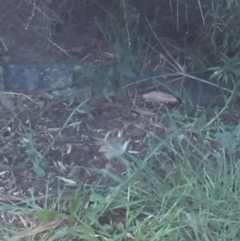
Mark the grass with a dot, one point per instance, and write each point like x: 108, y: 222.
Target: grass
x: 185, y: 188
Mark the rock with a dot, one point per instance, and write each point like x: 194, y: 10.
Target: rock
x: 102, y: 81
x: 37, y: 78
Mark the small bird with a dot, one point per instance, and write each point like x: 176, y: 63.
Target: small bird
x: 112, y: 147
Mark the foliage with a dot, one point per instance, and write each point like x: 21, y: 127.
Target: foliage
x: 186, y: 186
x: 203, y: 34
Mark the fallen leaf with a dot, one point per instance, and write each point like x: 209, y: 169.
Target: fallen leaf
x: 39, y: 229
x: 69, y: 181
x: 159, y: 97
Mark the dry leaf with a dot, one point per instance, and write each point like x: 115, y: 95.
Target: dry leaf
x: 159, y: 97
x: 39, y: 229
x: 69, y: 181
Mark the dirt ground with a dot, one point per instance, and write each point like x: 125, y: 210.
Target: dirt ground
x: 40, y: 143
x: 44, y: 139
x: 49, y: 142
